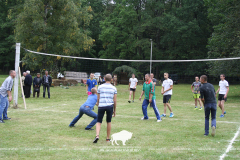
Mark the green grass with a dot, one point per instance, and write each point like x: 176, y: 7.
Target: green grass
x: 41, y: 131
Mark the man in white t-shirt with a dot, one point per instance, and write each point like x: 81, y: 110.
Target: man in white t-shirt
x: 167, y: 86
x: 132, y: 87
x: 223, y: 91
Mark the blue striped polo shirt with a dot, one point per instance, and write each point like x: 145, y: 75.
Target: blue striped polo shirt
x: 107, y: 92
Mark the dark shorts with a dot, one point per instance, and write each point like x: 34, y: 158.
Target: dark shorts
x: 101, y: 112
x: 133, y: 89
x: 221, y: 97
x: 167, y: 98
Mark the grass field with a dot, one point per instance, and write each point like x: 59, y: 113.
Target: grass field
x: 41, y: 131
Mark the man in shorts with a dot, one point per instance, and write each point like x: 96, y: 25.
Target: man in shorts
x: 132, y: 87
x: 149, y: 92
x: 106, y: 102
x: 167, y: 87
x: 196, y: 92
x: 91, y: 83
x: 223, y: 92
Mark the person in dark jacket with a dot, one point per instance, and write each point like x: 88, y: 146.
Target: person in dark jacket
x: 37, y: 81
x: 28, y: 83
x: 46, y: 81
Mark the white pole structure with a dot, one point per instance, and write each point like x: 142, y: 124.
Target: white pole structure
x: 24, y: 102
x: 151, y: 58
x: 17, y: 58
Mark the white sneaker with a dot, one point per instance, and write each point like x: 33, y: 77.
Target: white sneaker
x: 143, y: 118
x: 159, y: 120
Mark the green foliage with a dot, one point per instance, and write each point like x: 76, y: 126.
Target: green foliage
x: 56, y: 27
x: 7, y: 42
x: 179, y: 30
x: 125, y: 69
x: 225, y: 40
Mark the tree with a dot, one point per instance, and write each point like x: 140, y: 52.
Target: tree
x: 225, y: 40
x: 7, y: 42
x: 56, y: 27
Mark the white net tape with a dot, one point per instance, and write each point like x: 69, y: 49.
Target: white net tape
x: 126, y: 60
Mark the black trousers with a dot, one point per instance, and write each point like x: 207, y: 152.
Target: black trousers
x: 44, y: 90
x: 34, y: 92
x: 27, y: 91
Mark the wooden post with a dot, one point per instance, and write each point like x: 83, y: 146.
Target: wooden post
x: 19, y: 71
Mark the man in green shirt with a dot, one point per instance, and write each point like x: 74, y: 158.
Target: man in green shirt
x: 149, y: 92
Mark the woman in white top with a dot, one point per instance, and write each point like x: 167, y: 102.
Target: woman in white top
x: 132, y: 87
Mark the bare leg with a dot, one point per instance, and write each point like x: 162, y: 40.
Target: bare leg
x: 195, y: 102
x: 133, y: 95
x: 98, y: 128
x: 169, y: 107
x: 200, y: 102
x: 108, y: 130
x: 165, y: 108
x: 222, y: 104
x: 219, y: 104
x: 130, y: 94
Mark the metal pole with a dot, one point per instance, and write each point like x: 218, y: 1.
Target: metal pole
x: 17, y: 58
x: 151, y: 58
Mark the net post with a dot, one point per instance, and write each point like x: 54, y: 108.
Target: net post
x: 17, y: 58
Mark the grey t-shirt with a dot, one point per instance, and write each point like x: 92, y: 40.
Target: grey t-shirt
x: 208, y: 93
x: 6, y: 86
x: 196, y: 86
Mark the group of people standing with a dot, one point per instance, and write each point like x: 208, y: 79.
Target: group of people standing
x: 27, y: 82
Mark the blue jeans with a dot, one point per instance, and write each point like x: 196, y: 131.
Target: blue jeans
x: 44, y: 90
x: 210, y: 108
x: 3, y: 107
x: 85, y: 110
x: 144, y: 108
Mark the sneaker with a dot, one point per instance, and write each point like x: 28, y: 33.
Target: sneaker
x: 200, y: 108
x: 129, y: 101
x: 221, y: 116
x: 195, y: 108
x: 171, y: 115
x: 89, y: 129
x: 159, y: 120
x: 163, y: 115
x: 108, y: 140
x: 95, y: 140
x: 225, y: 112
x: 6, y: 118
x: 1, y: 121
x: 205, y: 134
x: 71, y: 126
x: 213, y: 131
x: 132, y: 101
x: 143, y: 118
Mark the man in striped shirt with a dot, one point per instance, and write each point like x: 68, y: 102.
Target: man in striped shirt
x: 107, y: 102
x: 6, y: 95
x: 149, y: 92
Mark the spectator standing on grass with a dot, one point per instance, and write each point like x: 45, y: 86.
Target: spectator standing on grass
x: 223, y: 92
x: 153, y: 79
x: 46, y: 81
x: 6, y: 96
x: 37, y: 81
x: 28, y: 84
x: 91, y: 83
x: 106, y: 102
x: 195, y: 87
x: 132, y: 87
x: 23, y: 79
x: 87, y: 108
x: 207, y: 92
